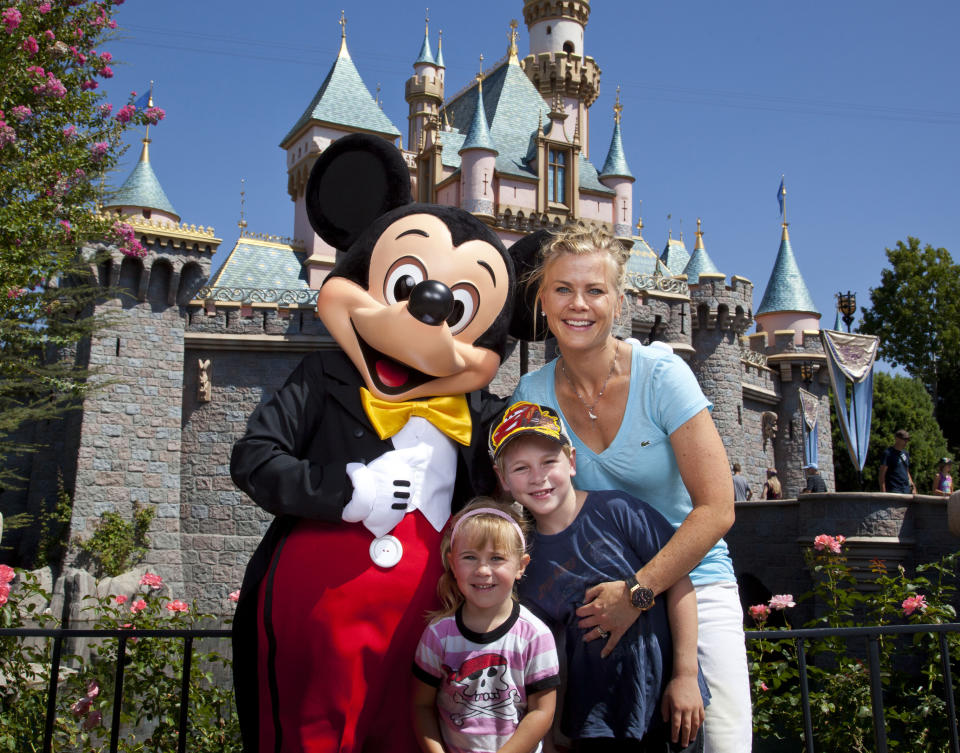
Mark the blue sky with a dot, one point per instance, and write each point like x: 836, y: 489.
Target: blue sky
x: 853, y: 101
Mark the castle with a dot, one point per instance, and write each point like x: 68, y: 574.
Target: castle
x: 189, y: 356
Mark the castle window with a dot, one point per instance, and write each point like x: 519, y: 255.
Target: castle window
x: 146, y: 213
x: 568, y: 47
x: 557, y: 176
x: 549, y: 30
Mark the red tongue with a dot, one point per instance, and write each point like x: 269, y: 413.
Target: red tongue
x: 391, y: 373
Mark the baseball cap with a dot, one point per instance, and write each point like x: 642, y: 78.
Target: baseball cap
x: 521, y: 419
x: 902, y: 434
x: 944, y: 461
x: 810, y: 465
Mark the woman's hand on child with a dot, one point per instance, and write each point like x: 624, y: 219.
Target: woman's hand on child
x: 682, y: 708
x: 607, y: 607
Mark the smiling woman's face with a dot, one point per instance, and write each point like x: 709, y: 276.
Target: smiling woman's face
x: 580, y: 299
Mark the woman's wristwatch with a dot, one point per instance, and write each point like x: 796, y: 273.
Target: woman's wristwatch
x: 640, y: 596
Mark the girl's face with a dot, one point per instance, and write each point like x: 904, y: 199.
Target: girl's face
x: 580, y: 298
x: 485, y: 572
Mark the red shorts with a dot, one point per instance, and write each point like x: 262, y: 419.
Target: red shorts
x: 337, y: 636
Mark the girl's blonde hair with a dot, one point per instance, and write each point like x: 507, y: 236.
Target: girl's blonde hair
x: 580, y: 242
x: 775, y: 485
x: 478, y: 531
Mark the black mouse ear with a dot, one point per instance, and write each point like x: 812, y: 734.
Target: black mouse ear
x: 526, y: 324
x: 355, y: 180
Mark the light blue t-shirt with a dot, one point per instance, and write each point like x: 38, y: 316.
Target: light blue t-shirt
x: 663, y: 396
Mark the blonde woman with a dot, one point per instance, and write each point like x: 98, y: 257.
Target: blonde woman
x: 639, y: 422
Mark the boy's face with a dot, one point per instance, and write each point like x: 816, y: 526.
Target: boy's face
x: 538, y: 474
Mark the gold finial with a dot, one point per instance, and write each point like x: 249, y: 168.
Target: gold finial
x: 617, y: 108
x: 479, y: 76
x: 439, y: 41
x: 699, y: 243
x: 343, y: 24
x: 640, y: 218
x: 243, y: 223
x: 669, y: 228
x: 512, y: 36
x: 426, y: 23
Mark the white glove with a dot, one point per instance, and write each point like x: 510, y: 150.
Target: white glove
x: 386, y: 489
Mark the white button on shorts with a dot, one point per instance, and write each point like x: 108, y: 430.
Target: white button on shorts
x: 386, y: 551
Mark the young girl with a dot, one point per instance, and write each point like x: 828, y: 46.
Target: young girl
x: 943, y: 481
x: 486, y: 670
x: 644, y: 693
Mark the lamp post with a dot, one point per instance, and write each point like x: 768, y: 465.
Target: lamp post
x: 806, y: 373
x: 847, y: 306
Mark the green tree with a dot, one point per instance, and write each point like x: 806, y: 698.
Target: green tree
x: 916, y: 313
x: 899, y: 402
x: 58, y: 140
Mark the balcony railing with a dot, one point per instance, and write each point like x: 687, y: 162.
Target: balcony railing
x: 800, y: 638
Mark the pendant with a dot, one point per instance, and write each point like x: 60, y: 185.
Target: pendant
x: 590, y: 413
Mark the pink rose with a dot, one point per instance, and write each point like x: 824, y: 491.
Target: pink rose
x: 177, y: 606
x: 234, y: 595
x: 94, y: 719
x: 759, y: 612
x: 7, y: 573
x: 138, y: 606
x: 4, y: 593
x: 93, y: 689
x: 823, y: 541
x: 782, y: 601
x: 11, y: 19
x: 763, y: 686
x: 121, y: 599
x: 81, y: 706
x: 912, y: 603
x: 152, y: 580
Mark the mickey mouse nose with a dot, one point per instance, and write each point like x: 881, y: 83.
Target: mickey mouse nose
x: 431, y: 302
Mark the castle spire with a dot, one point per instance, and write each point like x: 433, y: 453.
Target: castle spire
x: 513, y: 57
x: 700, y: 262
x: 440, y: 49
x: 616, y: 163
x: 786, y: 289
x: 478, y: 135
x: 426, y: 54
x: 343, y: 53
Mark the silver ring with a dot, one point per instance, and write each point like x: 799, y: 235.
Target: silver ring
x: 603, y: 633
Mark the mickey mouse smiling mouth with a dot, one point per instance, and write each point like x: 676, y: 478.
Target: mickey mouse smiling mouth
x: 389, y: 376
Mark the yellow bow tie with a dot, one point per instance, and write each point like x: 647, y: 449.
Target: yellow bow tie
x: 449, y: 414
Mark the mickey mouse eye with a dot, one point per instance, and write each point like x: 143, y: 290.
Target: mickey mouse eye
x: 465, y: 300
x: 403, y: 277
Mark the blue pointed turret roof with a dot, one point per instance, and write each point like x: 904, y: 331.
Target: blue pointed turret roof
x: 426, y: 54
x: 616, y: 164
x: 440, y: 51
x: 675, y: 255
x: 258, y: 263
x: 478, y: 136
x: 644, y: 260
x: 786, y: 290
x: 343, y: 99
x: 142, y: 189
x: 700, y: 262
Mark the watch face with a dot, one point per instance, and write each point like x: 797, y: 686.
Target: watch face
x: 641, y: 597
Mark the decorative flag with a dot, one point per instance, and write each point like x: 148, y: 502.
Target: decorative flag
x: 850, y: 358
x: 143, y: 101
x: 781, y: 192
x: 810, y: 408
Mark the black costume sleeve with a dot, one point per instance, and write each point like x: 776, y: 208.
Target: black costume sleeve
x: 273, y: 462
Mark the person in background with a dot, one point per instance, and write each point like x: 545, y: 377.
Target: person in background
x: 815, y: 482
x: 895, y: 466
x: 741, y: 489
x: 943, y: 481
x: 772, y: 488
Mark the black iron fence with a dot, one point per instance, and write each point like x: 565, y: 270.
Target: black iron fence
x: 800, y: 638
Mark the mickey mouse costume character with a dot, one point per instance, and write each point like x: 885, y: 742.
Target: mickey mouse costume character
x: 361, y: 455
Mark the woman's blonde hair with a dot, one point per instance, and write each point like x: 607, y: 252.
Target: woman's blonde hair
x: 580, y: 242
x: 775, y: 486
x: 478, y: 531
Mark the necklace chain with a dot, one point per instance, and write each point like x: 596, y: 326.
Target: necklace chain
x: 603, y: 387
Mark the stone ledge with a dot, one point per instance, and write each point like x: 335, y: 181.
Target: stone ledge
x: 295, y: 343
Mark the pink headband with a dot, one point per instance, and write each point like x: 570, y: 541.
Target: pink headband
x: 490, y: 511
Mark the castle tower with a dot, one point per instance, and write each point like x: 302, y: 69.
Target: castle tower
x: 424, y: 92
x: 675, y: 255
x: 720, y: 314
x: 129, y: 442
x: 788, y: 333
x: 616, y: 175
x: 343, y: 104
x: 478, y: 158
x: 557, y: 63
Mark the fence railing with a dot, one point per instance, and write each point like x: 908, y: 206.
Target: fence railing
x: 872, y: 636
x: 59, y: 635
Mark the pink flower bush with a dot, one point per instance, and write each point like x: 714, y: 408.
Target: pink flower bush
x: 782, y: 601
x: 912, y: 603
x: 106, y: 57
x: 7, y: 574
x: 7, y: 134
x: 21, y: 112
x: 106, y: 110
x: 121, y: 599
x: 234, y: 595
x: 65, y: 224
x: 43, y: 8
x: 106, y: 72
x: 70, y: 133
x: 177, y: 606
x: 89, y: 85
x: 98, y: 150
x: 833, y: 543
x: 125, y: 114
x: 11, y: 19
x: 154, y: 115
x: 138, y: 606
x: 30, y: 46
x: 147, y: 579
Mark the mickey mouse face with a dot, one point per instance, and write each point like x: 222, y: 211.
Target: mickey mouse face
x: 413, y: 329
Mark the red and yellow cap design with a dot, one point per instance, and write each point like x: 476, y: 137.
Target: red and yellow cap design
x: 525, y: 418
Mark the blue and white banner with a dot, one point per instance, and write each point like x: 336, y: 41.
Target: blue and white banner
x: 850, y: 359
x: 810, y: 408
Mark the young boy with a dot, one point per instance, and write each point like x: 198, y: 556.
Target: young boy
x: 583, y: 539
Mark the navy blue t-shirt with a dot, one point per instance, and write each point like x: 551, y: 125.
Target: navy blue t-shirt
x: 898, y: 467
x: 611, y: 539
